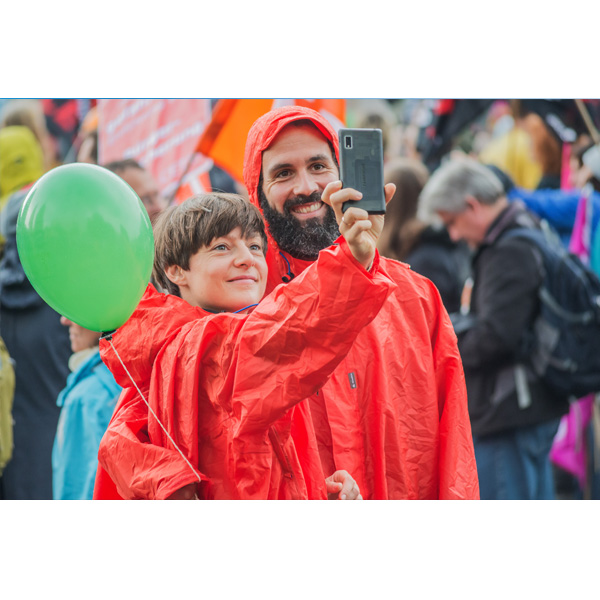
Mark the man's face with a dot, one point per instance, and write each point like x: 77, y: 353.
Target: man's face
x: 470, y: 224
x: 145, y: 187
x: 228, y: 274
x: 296, y: 168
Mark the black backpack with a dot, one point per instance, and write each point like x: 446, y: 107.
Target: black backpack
x: 563, y: 347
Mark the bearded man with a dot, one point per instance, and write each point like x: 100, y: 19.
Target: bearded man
x: 394, y: 412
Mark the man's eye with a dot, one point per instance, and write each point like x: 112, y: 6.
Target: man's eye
x: 283, y: 174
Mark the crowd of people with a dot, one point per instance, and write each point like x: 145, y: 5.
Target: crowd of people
x: 287, y: 349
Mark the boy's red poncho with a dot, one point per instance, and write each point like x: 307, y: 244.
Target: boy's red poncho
x: 227, y: 387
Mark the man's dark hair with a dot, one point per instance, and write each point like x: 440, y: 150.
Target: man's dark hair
x: 118, y: 166
x: 309, y: 123
x: 181, y: 230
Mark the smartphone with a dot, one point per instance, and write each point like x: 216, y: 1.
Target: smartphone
x: 361, y: 167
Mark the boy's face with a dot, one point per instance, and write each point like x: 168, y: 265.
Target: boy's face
x: 228, y: 274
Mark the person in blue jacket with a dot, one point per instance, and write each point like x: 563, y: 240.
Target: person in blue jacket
x: 87, y: 404
x: 559, y: 207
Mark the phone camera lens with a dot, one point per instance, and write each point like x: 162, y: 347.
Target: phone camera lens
x: 348, y: 141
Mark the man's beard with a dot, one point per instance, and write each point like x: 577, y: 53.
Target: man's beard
x: 301, y: 239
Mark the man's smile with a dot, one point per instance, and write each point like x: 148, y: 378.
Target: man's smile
x: 309, y: 210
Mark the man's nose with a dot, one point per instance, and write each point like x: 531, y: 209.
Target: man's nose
x: 305, y: 184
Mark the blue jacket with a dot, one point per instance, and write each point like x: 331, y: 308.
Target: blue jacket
x: 87, y: 405
x: 558, y: 207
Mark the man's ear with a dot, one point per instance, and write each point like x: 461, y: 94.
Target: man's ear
x: 472, y: 203
x: 176, y: 275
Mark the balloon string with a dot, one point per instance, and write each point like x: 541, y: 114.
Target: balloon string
x: 153, y: 413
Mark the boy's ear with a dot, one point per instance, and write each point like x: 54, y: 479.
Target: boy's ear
x: 176, y: 275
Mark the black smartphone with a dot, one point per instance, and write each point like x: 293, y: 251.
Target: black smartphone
x: 361, y: 167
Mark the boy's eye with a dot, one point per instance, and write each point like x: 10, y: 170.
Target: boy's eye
x: 220, y: 247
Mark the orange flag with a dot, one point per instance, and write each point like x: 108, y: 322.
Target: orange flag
x: 224, y: 138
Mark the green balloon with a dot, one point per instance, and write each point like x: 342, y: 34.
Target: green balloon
x: 85, y: 242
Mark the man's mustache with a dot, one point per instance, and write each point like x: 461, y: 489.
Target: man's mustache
x: 299, y: 200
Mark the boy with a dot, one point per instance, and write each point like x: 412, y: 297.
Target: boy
x: 229, y: 383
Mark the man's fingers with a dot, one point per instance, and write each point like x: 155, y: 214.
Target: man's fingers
x: 355, y: 214
x: 330, y: 188
x: 390, y: 190
x: 356, y: 218
x: 335, y: 196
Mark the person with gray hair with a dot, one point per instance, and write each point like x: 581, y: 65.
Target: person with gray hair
x: 514, y: 416
x: 452, y: 188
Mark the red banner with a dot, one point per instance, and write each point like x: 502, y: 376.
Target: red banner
x: 162, y: 135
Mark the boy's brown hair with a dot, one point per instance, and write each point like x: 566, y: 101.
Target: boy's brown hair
x: 181, y: 230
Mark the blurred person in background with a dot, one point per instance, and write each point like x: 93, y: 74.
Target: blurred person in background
x: 85, y: 146
x: 21, y: 161
x: 514, y: 415
x: 63, y: 117
x: 512, y: 151
x: 585, y: 164
x: 424, y: 245
x: 31, y: 331
x: 86, y: 406
x: 547, y: 151
x: 559, y: 206
x: 88, y: 151
x: 30, y: 113
x: 143, y: 184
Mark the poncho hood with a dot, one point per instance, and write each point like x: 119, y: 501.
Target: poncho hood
x: 265, y: 130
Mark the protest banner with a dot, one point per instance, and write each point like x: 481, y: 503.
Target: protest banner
x: 179, y: 140
x: 161, y: 134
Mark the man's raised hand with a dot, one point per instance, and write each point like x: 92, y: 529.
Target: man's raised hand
x: 360, y: 229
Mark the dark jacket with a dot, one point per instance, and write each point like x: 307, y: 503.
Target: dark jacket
x: 444, y: 262
x: 503, y: 392
x: 40, y: 347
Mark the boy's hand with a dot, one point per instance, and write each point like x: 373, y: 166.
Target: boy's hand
x: 360, y: 229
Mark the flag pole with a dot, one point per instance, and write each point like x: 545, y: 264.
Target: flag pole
x: 588, y: 121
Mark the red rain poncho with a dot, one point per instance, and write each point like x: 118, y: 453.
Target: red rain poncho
x: 394, y: 413
x: 227, y: 387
